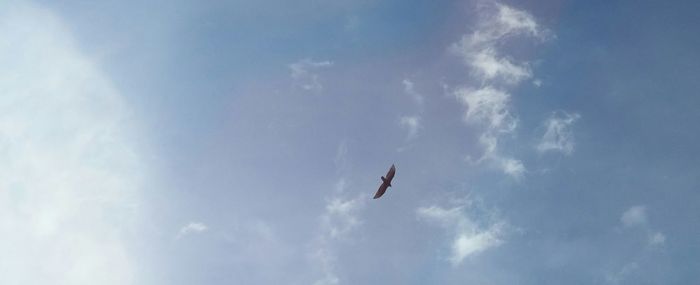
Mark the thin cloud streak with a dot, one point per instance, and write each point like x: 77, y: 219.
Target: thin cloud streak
x: 192, y: 228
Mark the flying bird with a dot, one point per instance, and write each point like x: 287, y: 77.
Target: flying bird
x: 386, y: 182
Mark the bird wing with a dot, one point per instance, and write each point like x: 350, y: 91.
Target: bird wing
x: 390, y: 174
x: 381, y: 190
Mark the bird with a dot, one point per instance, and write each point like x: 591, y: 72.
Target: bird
x: 386, y: 182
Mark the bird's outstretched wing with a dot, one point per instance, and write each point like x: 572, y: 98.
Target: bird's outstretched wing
x: 390, y: 174
x: 381, y: 190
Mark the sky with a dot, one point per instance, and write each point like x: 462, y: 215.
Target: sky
x: 241, y: 142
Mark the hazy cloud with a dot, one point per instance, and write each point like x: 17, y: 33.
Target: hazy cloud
x: 70, y: 172
x: 305, y: 73
x: 339, y: 219
x: 634, y: 216
x: 408, y: 87
x: 558, y: 135
x: 657, y: 239
x: 412, y: 124
x: 192, y: 227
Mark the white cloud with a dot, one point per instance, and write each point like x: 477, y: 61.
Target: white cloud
x: 408, y: 87
x: 469, y: 237
x: 513, y: 21
x: 70, y: 172
x: 192, y: 227
x: 488, y: 106
x: 634, y: 216
x: 622, y: 274
x: 513, y: 167
x: 558, y: 135
x: 339, y: 219
x: 657, y: 239
x: 412, y: 124
x: 479, y: 49
x: 488, y: 65
x: 341, y: 157
x: 305, y: 73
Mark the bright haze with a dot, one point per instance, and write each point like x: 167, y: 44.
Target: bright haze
x: 240, y: 142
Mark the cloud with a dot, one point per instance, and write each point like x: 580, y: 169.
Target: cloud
x: 70, y: 172
x: 192, y: 227
x: 657, y: 239
x: 479, y: 50
x: 624, y: 272
x: 305, y: 73
x: 469, y: 236
x: 558, y: 136
x: 339, y: 219
x: 408, y: 87
x: 341, y: 161
x: 634, y: 216
x: 489, y: 105
x: 412, y: 124
x: 512, y: 167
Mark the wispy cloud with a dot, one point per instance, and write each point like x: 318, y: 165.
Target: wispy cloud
x: 559, y: 136
x: 489, y: 105
x: 412, y: 124
x: 192, y: 227
x: 409, y: 88
x: 305, y: 73
x: 341, y: 159
x: 636, y: 217
x: 340, y: 218
x: 70, y: 172
x: 470, y: 237
x: 480, y: 49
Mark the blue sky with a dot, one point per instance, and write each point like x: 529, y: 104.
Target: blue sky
x: 240, y: 142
